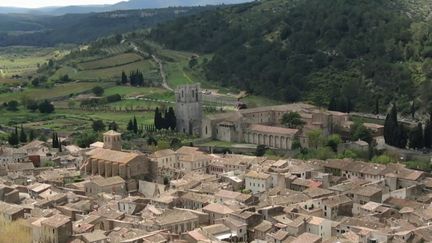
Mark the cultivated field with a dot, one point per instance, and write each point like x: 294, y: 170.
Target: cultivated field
x: 25, y: 60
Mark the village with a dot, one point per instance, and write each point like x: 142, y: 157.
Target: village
x: 105, y: 193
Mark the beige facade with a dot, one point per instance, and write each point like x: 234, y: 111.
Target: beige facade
x: 113, y: 185
x: 56, y: 229
x: 107, y: 163
x: 262, y: 126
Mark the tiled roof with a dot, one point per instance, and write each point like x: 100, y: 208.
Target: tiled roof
x: 257, y: 175
x: 273, y: 130
x: 112, y: 155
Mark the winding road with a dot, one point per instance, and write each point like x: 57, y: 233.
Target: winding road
x: 159, y: 62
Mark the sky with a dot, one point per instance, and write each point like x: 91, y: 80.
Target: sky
x: 47, y: 3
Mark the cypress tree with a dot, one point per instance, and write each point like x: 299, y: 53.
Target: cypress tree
x: 172, y: 118
x: 402, y: 136
x: 416, y: 137
x: 54, y: 145
x: 23, y: 135
x: 428, y: 134
x: 166, y: 120
x: 158, y: 119
x: 135, y: 125
x: 130, y: 126
x: 124, y: 78
x: 13, y: 138
x: 31, y: 136
x: 391, y: 128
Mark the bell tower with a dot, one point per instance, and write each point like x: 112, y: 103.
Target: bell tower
x: 189, y: 109
x: 112, y: 140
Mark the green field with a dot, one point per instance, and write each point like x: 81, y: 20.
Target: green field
x: 67, y: 120
x: 59, y: 90
x: 25, y: 60
x: 113, y: 61
x: 109, y: 73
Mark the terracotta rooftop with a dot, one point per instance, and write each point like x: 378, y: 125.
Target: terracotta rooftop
x: 273, y: 130
x: 218, y: 208
x: 56, y: 221
x: 173, y: 216
x: 112, y: 155
x: 162, y: 153
x: 336, y: 200
x: 108, y: 181
x: 257, y: 175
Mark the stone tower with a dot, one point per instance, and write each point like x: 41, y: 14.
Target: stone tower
x: 188, y: 109
x: 112, y: 140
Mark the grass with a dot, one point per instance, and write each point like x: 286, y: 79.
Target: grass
x: 118, y: 60
x: 128, y: 91
x: 43, y: 93
x: 110, y: 73
x: 66, y: 120
x: 25, y: 60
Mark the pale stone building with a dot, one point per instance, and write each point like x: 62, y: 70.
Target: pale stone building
x: 262, y: 126
x: 98, y: 184
x: 188, y: 108
x: 56, y: 229
x: 258, y: 181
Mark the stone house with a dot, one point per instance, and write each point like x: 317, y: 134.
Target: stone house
x: 258, y: 182
x: 216, y: 211
x: 363, y: 195
x: 177, y: 221
x: 98, y: 184
x: 132, y: 205
x: 335, y: 206
x: 10, y: 212
x: 56, y: 229
x: 9, y: 194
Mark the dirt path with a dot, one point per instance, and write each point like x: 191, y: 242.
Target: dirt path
x: 159, y: 62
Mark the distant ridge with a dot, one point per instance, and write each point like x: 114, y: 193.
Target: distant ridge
x: 125, y: 5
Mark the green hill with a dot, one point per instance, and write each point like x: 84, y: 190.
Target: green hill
x: 347, y: 54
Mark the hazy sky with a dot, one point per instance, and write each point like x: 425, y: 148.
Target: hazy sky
x: 45, y: 3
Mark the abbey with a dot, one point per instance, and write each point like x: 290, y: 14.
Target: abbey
x: 260, y: 126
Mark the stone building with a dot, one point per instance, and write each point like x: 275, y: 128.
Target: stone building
x: 262, y: 125
x: 188, y: 108
x: 56, y: 229
x: 98, y: 184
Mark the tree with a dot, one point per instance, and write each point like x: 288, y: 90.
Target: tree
x: 130, y: 126
x: 98, y: 126
x: 333, y: 141
x: 293, y: 120
x: 428, y: 134
x: 13, y: 138
x: 23, y: 135
x: 85, y: 139
x: 46, y: 107
x: 55, y: 140
x: 124, y: 79
x: 416, y: 137
x: 360, y: 132
x: 152, y: 141
x: 98, y: 91
x: 113, y: 126
x: 315, y: 138
x: 135, y: 125
x: 12, y: 105
x: 31, y: 136
x: 32, y: 105
x: 175, y: 143
x: 260, y: 150
x: 158, y: 120
x: 382, y: 159
x: 393, y: 132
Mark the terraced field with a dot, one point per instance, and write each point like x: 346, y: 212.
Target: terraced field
x: 114, y: 61
x: 111, y: 73
x: 42, y: 93
x: 25, y: 60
